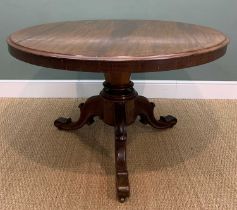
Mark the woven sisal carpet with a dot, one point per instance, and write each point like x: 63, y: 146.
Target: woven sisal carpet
x: 191, y: 166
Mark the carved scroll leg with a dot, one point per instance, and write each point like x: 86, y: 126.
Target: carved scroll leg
x: 122, y: 183
x: 145, y: 109
x: 91, y: 108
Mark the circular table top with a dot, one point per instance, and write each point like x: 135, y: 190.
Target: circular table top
x: 117, y: 45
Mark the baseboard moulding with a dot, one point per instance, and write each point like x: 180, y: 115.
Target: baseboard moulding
x: 176, y: 89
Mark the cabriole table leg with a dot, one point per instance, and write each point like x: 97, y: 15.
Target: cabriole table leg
x: 145, y: 110
x: 122, y: 183
x: 91, y: 108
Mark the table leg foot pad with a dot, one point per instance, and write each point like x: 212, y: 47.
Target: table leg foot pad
x: 122, y: 185
x: 61, y: 121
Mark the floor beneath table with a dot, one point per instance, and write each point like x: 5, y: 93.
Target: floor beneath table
x: 191, y: 166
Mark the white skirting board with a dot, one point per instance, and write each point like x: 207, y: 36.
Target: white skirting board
x: 176, y: 89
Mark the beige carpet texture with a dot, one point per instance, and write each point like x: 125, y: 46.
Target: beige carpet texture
x: 190, y: 166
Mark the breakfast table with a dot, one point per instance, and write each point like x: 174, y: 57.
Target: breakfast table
x: 118, y: 48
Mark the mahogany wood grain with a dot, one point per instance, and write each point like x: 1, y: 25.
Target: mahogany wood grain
x: 118, y: 45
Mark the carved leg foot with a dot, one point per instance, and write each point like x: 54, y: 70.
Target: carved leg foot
x: 122, y: 183
x: 91, y: 108
x: 145, y: 110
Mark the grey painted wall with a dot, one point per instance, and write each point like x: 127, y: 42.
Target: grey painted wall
x: 17, y: 14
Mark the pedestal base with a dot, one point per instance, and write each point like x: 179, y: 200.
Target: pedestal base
x: 118, y: 106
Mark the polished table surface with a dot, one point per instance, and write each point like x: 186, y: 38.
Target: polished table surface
x: 118, y: 45
x: 117, y: 48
